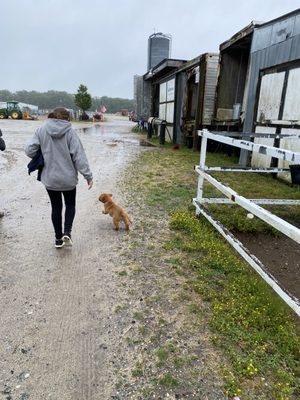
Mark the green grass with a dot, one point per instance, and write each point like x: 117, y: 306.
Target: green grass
x: 250, y: 323
x: 164, y: 353
x: 256, y: 331
x: 136, y: 129
x: 138, y: 371
x: 122, y: 273
x: 168, y: 380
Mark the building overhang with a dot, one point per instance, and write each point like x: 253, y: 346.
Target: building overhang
x: 165, y: 67
x: 241, y: 39
x: 282, y: 17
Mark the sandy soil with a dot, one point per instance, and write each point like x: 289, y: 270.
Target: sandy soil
x: 75, y: 322
x: 58, y: 332
x: 88, y: 322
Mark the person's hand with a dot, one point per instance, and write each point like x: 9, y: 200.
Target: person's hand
x: 90, y: 184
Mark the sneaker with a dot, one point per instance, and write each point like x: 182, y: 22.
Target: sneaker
x: 67, y: 239
x: 59, y: 243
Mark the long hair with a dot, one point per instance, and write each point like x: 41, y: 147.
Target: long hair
x: 60, y: 113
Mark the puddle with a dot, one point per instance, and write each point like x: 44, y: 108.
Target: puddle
x: 111, y: 144
x: 88, y: 129
x: 110, y: 134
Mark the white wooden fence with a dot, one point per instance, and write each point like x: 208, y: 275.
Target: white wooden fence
x: 251, y: 205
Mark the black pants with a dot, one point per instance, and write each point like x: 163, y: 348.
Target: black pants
x: 57, y: 206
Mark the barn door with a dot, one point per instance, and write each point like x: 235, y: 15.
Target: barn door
x: 278, y: 106
x: 270, y: 95
x: 269, y: 104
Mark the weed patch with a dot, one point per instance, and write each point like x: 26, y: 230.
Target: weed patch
x: 254, y: 329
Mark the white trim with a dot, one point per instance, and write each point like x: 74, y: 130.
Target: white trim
x: 255, y: 263
x: 289, y: 230
x: 281, y: 154
x: 251, y: 205
x: 221, y: 200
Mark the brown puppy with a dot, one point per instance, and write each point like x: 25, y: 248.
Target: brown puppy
x: 117, y: 213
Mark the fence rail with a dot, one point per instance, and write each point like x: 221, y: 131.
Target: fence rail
x: 252, y: 205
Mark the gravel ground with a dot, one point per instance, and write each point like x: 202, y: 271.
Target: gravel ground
x: 91, y: 322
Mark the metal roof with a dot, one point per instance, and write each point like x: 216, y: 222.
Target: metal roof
x: 241, y: 36
x: 165, y: 66
x: 290, y: 14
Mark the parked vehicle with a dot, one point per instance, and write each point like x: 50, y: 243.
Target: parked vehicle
x: 11, y: 110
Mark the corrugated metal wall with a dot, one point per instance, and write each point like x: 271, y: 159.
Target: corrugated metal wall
x: 273, y: 44
x: 142, y: 97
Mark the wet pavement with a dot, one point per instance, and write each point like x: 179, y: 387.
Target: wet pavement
x: 59, y: 336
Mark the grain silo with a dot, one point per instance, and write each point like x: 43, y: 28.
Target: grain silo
x: 159, y: 48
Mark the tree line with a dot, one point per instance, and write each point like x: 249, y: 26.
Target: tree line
x: 52, y: 98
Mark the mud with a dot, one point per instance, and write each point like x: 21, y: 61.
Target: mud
x: 88, y: 322
x: 280, y: 255
x: 59, y: 335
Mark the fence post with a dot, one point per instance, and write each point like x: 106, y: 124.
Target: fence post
x: 202, y: 165
x: 162, y: 133
x: 149, y: 129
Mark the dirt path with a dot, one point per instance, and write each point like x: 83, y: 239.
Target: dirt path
x: 59, y: 335
x: 109, y: 318
x: 112, y: 318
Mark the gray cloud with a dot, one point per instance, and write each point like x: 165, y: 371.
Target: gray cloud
x: 58, y: 44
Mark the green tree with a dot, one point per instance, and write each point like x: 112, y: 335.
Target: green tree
x: 52, y: 98
x: 82, y: 98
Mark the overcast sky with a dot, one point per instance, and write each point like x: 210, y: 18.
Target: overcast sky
x: 59, y: 44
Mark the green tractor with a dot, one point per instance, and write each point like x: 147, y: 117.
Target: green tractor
x: 11, y: 110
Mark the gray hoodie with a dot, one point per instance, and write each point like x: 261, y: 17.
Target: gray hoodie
x: 63, y: 154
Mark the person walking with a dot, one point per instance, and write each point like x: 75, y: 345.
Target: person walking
x: 2, y: 148
x: 64, y: 157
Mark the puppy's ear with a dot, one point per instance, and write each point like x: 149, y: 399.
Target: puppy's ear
x: 110, y: 194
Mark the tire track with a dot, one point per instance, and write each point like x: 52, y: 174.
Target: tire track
x: 62, y: 316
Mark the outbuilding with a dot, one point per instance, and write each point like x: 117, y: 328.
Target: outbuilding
x: 183, y: 95
x: 233, y: 80
x: 272, y: 101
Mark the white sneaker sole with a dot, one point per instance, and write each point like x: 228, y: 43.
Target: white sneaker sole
x: 67, y: 240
